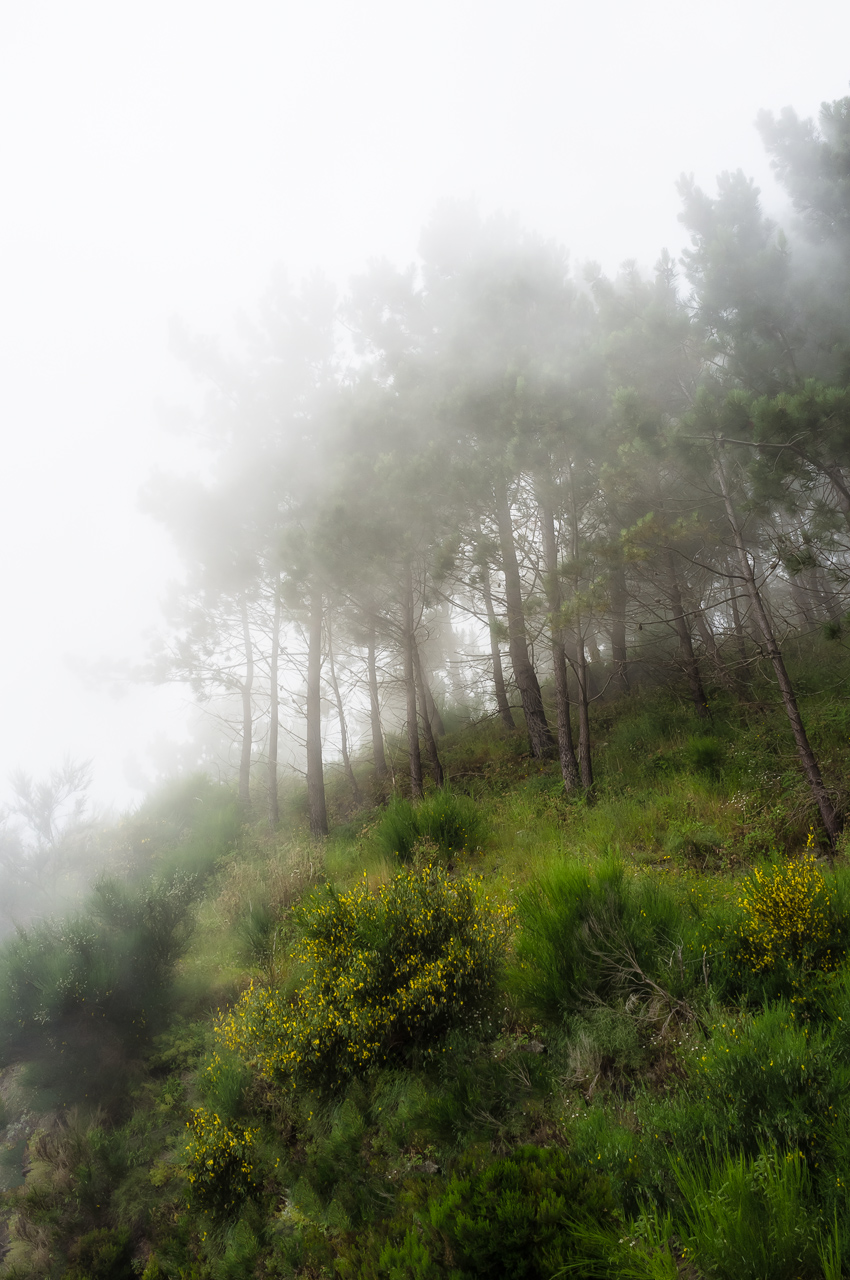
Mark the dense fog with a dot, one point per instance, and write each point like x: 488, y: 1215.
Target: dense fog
x: 177, y: 181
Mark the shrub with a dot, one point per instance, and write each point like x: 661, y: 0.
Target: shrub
x: 219, y: 1162
x: 241, y: 1254
x: 108, y: 971
x: 769, y: 1080
x: 696, y: 841
x: 787, y: 919
x: 384, y: 972
x: 518, y: 1217
x: 260, y: 935
x: 101, y: 1255
x: 588, y: 934
x: 605, y: 1046
x: 453, y: 823
x: 704, y: 755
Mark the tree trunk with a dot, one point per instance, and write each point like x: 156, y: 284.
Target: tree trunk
x: 434, y: 718
x: 801, y: 599
x: 829, y: 815
x: 539, y: 733
x: 378, y: 757
x: 247, y: 711
x: 737, y: 623
x: 421, y: 690
x: 619, y: 654
x: 707, y: 636
x: 274, y: 712
x: 410, y: 688
x: 566, y: 750
x: 502, y: 703
x: 584, y: 756
x: 340, y: 711
x: 315, y: 769
x: 683, y: 631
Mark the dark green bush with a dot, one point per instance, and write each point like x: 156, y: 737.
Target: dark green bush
x: 770, y: 1079
x: 694, y: 841
x: 101, y: 1255
x: 78, y: 996
x: 260, y: 935
x: 452, y: 823
x: 518, y: 1217
x: 526, y: 1216
x: 590, y: 933
x: 745, y: 1218
x: 705, y: 754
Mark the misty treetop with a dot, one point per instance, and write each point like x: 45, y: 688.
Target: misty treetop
x: 488, y: 475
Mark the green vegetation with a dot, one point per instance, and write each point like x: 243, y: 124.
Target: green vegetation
x: 382, y: 974
x: 442, y: 823
x: 575, y: 1043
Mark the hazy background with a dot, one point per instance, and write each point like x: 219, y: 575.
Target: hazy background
x: 158, y: 159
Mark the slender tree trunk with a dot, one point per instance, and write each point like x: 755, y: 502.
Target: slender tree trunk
x: 421, y: 690
x: 619, y: 654
x: 539, y: 733
x: 829, y: 599
x: 737, y: 623
x: 315, y: 768
x: 274, y: 711
x: 340, y: 711
x: 842, y: 491
x: 502, y: 703
x: 410, y: 688
x: 829, y: 815
x: 247, y: 710
x: 584, y: 757
x: 801, y: 598
x: 434, y: 718
x: 378, y: 757
x: 683, y: 631
x: 710, y: 644
x: 566, y: 750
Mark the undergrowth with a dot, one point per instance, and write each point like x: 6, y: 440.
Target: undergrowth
x: 502, y: 1030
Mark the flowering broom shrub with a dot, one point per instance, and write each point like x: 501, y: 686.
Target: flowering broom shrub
x: 219, y: 1162
x: 384, y: 972
x: 788, y: 919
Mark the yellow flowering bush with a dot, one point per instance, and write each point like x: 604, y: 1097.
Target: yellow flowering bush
x: 385, y: 971
x: 787, y: 918
x: 219, y: 1162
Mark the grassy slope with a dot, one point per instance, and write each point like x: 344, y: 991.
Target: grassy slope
x: 685, y: 808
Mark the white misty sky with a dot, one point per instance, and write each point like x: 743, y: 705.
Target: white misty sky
x: 159, y: 159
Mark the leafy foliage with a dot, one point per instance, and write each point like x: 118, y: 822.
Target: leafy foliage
x: 220, y: 1162
x: 518, y: 1216
x: 383, y: 973
x: 788, y: 919
x: 745, y: 1217
x: 97, y: 984
x: 769, y: 1078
